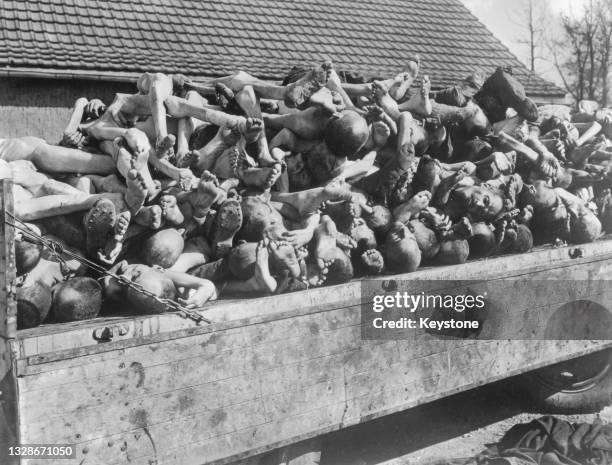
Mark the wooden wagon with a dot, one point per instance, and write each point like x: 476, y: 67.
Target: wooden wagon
x: 272, y: 371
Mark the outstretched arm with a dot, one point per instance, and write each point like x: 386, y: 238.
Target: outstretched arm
x: 203, y: 289
x: 71, y: 136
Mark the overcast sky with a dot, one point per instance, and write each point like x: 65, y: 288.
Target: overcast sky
x: 497, y: 16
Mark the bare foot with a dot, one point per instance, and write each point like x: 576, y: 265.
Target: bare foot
x: 149, y: 217
x: 189, y: 160
x: 205, y: 195
x: 261, y: 178
x: 99, y: 222
x: 462, y: 229
x: 381, y: 95
x: 411, y: 208
x: 250, y: 128
x: 114, y: 246
x: 399, y: 85
x: 337, y: 189
x: 227, y: 223
x: 345, y: 242
x: 330, y: 101
x: 340, y: 213
x: 226, y: 98
x: 298, y: 237
x: 380, y: 133
x: 375, y: 113
x: 298, y: 93
x: 163, y: 148
x: 171, y: 213
x: 325, y: 243
x: 262, y: 280
x: 316, y: 277
x: 420, y: 103
x: 372, y: 262
x: 136, y: 193
x: 284, y: 257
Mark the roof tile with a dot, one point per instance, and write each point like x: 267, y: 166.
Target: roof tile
x: 264, y: 37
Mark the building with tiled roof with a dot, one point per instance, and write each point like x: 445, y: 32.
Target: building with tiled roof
x: 102, y: 45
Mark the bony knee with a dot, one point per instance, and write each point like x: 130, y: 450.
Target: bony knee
x: 172, y: 105
x: 138, y: 142
x: 192, y: 95
x: 81, y: 101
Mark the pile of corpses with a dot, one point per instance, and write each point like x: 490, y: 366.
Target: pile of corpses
x: 184, y: 191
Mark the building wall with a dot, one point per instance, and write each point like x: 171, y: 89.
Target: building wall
x: 41, y: 107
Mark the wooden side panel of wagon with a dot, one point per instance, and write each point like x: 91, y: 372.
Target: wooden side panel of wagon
x: 9, y: 432
x: 242, y: 387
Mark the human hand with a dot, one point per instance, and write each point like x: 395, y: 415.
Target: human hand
x: 199, y: 296
x: 95, y: 108
x: 549, y: 166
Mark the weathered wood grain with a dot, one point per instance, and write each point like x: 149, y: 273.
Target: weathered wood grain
x: 9, y: 431
x: 277, y: 370
x: 37, y: 341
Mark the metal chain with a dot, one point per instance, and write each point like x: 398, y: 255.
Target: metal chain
x: 59, y: 252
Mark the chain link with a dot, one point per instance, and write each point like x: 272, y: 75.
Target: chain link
x: 58, y: 251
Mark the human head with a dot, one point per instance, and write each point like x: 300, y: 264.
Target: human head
x: 482, y: 242
x: 299, y: 175
x: 379, y: 220
x: 241, y: 260
x: 257, y: 215
x: 539, y: 194
x: 402, y: 253
x: 77, y: 299
x: 321, y: 163
x: 453, y: 252
x: 162, y: 248
x: 27, y: 256
x: 524, y: 240
x: 341, y: 268
x: 475, y: 149
x: 346, y: 134
x: 585, y: 227
x: 33, y: 304
x: 483, y: 203
x: 362, y: 235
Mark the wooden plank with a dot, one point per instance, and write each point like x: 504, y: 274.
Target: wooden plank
x: 9, y: 430
x: 207, y: 345
x: 347, y: 412
x: 380, y: 394
x: 246, y: 312
x: 297, y: 378
x: 136, y: 380
x: 8, y: 290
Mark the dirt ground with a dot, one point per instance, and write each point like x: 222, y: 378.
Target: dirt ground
x: 455, y: 427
